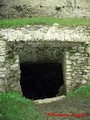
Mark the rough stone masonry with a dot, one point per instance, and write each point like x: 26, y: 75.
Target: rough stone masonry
x: 69, y: 46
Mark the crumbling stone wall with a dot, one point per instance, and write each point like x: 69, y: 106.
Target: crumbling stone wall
x: 3, y: 80
x: 56, y: 8
x: 77, y: 69
x: 12, y: 70
x: 67, y: 45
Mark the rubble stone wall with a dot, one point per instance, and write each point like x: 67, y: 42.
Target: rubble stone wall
x: 69, y: 46
x: 3, y: 80
x: 77, y: 69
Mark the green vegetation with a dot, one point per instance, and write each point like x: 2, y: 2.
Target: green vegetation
x: 44, y: 21
x: 84, y: 90
x: 15, y: 107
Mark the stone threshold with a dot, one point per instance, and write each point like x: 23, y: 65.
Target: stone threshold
x: 49, y: 100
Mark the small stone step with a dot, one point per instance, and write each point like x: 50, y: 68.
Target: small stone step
x: 49, y: 100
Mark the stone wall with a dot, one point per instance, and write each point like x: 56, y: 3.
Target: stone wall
x: 56, y: 8
x: 3, y: 80
x: 69, y: 46
x: 12, y: 70
x: 77, y: 69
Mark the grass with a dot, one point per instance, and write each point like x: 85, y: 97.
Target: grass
x: 77, y: 102
x: 44, y: 21
x: 15, y: 107
x: 84, y: 90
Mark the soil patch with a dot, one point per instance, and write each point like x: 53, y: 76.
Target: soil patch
x: 77, y: 104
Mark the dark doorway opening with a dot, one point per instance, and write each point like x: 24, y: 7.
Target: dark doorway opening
x: 42, y: 80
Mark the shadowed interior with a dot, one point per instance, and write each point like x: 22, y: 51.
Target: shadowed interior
x: 41, y: 80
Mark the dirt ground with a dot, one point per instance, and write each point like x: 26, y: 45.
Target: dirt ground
x: 76, y: 108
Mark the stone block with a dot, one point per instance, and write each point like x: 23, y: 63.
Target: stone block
x: 68, y: 62
x: 14, y: 67
x: 2, y: 43
x: 68, y: 66
x: 88, y: 50
x: 2, y: 69
x: 2, y: 59
x: 68, y: 70
x: 2, y: 51
x: 77, y: 54
x: 68, y: 82
x: 88, y: 60
x: 2, y: 74
x: 2, y: 64
x: 83, y: 81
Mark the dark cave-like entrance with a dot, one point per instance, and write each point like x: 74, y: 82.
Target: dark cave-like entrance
x: 42, y: 80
